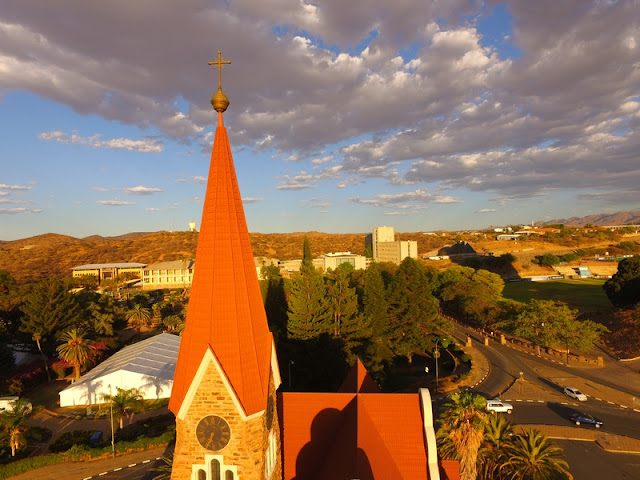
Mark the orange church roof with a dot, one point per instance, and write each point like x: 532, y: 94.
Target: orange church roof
x: 225, y: 311
x: 353, y: 434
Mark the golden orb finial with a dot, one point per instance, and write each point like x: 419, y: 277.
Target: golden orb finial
x: 219, y: 101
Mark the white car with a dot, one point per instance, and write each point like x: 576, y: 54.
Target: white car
x: 575, y: 393
x: 497, y: 405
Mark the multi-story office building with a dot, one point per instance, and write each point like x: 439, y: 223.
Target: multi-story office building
x: 387, y: 249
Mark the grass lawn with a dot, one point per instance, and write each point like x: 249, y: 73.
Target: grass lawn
x: 585, y: 295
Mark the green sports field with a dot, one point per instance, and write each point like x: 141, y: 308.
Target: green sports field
x: 585, y: 295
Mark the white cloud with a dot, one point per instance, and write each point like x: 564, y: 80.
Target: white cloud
x: 248, y: 200
x: 18, y: 210
x: 145, y: 146
x: 140, y: 190
x: 15, y: 202
x: 4, y: 186
x: 486, y: 210
x: 114, y: 203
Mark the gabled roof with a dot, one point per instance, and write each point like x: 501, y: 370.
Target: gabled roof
x: 225, y: 310
x: 153, y: 357
x: 347, y: 435
x: 356, y: 433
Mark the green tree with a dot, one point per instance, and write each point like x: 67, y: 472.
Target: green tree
x: 532, y: 457
x: 13, y: 422
x: 547, y: 260
x: 125, y: 403
x: 139, y: 316
x: 309, y: 314
x: 368, y: 251
x: 173, y: 323
x: 343, y: 302
x: 49, y: 308
x: 623, y: 288
x: 413, y: 310
x: 461, y: 430
x: 75, y: 349
x: 307, y: 257
x: 375, y: 313
x: 546, y: 323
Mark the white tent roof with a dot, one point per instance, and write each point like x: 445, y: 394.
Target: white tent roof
x: 154, y: 357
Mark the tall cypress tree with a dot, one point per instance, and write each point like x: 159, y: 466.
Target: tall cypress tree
x: 375, y: 313
x: 307, y: 257
x: 413, y: 310
x: 309, y: 314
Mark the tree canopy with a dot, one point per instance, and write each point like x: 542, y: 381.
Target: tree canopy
x: 623, y: 288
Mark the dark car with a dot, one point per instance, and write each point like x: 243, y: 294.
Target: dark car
x: 584, y: 418
x: 95, y: 439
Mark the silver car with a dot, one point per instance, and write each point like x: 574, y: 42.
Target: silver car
x: 575, y: 393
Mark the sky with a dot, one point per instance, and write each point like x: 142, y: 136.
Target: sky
x: 418, y: 114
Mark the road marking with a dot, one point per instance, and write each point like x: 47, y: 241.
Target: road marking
x: 610, y: 402
x: 133, y: 465
x: 103, y: 473
x: 530, y: 401
x: 117, y: 469
x: 624, y: 406
x: 146, y: 461
x: 540, y: 401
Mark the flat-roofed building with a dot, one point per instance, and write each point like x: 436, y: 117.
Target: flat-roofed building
x: 387, y: 249
x: 108, y: 271
x: 333, y: 260
x: 175, y: 274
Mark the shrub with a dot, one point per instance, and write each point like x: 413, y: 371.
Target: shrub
x: 69, y: 439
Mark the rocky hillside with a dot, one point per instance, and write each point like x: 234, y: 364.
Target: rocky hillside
x: 602, y: 220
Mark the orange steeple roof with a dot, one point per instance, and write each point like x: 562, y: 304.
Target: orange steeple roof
x: 225, y: 312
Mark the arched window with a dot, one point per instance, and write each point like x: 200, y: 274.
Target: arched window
x: 228, y: 475
x: 215, y: 469
x: 202, y: 475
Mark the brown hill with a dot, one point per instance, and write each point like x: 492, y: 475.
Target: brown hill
x: 602, y: 220
x: 34, y: 258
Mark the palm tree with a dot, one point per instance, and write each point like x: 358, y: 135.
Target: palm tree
x: 533, y: 457
x: 139, y: 316
x: 12, y: 420
x: 498, y: 436
x: 164, y: 468
x: 174, y: 323
x: 75, y: 349
x: 462, y: 430
x: 125, y: 403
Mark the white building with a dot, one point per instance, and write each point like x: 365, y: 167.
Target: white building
x: 387, y: 249
x: 148, y: 365
x: 333, y: 260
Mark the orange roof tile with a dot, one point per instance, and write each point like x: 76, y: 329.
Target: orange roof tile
x: 358, y: 380
x: 225, y: 306
x: 342, y: 435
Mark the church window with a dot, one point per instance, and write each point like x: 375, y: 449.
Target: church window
x: 271, y: 455
x: 215, y: 469
x: 228, y: 475
x: 202, y: 475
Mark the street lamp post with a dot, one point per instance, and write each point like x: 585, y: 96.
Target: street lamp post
x: 437, y: 354
x: 291, y: 362
x: 113, y: 443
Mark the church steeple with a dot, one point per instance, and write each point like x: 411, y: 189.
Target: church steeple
x: 225, y: 313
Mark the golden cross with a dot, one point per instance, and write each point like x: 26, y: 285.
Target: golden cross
x: 219, y: 63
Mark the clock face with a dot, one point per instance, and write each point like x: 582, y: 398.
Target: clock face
x: 213, y: 432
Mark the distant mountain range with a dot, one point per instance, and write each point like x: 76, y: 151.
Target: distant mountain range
x: 602, y: 220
